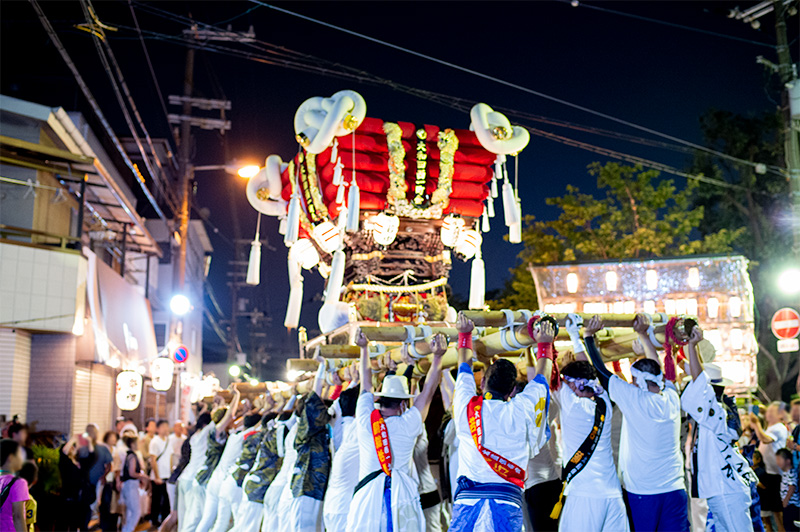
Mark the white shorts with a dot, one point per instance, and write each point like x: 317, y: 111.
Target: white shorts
x: 587, y: 514
x: 731, y: 512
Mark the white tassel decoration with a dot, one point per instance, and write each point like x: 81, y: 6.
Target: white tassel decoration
x: 498, y: 166
x: 353, y: 208
x: 510, y: 205
x: 494, y: 186
x: 335, y: 149
x: 515, y: 231
x: 337, y: 173
x: 477, y: 283
x: 490, y: 206
x: 341, y: 221
x: 293, y: 223
x: 282, y: 225
x: 336, y: 278
x: 254, y: 265
x: 295, y: 304
x: 340, y: 195
x: 485, y: 227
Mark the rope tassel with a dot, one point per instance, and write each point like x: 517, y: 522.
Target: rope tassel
x: 353, y: 207
x: 293, y: 221
x: 477, y: 283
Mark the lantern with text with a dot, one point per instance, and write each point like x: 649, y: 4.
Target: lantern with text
x: 129, y: 390
x: 161, y: 370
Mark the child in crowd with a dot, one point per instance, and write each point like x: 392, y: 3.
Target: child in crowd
x: 789, y: 493
x: 30, y: 472
x: 760, y: 471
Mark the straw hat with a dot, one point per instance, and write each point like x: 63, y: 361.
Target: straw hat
x: 715, y: 377
x: 395, y: 387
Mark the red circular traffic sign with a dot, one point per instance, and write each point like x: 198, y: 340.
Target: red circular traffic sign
x: 180, y: 354
x: 786, y: 323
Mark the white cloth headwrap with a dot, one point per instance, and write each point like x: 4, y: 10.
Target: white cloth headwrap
x: 594, y: 384
x: 642, y: 377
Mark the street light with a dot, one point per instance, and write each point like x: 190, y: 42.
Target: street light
x: 789, y: 281
x: 234, y: 371
x: 180, y: 304
x: 248, y: 171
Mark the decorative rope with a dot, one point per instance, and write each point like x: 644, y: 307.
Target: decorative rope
x: 671, y: 343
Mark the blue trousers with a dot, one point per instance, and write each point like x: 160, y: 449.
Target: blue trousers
x: 662, y: 512
x: 499, y: 518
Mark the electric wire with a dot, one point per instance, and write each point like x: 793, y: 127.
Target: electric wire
x: 51, y: 33
x: 153, y: 74
x: 506, y: 83
x: 670, y: 24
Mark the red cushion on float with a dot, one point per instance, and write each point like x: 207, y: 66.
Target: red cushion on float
x: 464, y: 207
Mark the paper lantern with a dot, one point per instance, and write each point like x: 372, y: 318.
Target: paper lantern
x: 468, y: 243
x: 384, y: 228
x: 451, y: 226
x: 327, y: 236
x: 651, y: 279
x: 694, y: 278
x: 713, y: 307
x: 735, y: 306
x: 129, y: 390
x: 304, y: 253
x: 650, y: 307
x: 611, y: 281
x: 161, y: 370
x: 572, y: 283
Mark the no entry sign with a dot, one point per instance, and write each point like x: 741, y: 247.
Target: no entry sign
x: 786, y: 324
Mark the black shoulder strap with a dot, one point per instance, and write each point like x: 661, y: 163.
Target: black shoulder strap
x: 586, y: 449
x: 7, y: 491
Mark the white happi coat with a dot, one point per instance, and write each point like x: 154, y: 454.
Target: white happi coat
x: 367, y: 509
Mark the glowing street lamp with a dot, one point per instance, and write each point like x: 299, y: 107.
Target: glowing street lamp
x: 180, y: 304
x: 789, y: 281
x: 234, y: 371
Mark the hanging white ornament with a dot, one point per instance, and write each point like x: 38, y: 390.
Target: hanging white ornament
x: 129, y: 390
x: 327, y: 236
x: 510, y: 205
x: 337, y: 173
x: 335, y: 149
x: 254, y: 264
x: 283, y: 225
x: 451, y: 226
x: 494, y: 186
x: 515, y: 230
x: 353, y: 207
x: 295, y: 303
x: 340, y: 195
x: 485, y: 228
x: 293, y: 222
x: 336, y: 277
x: 161, y: 370
x: 490, y: 206
x: 477, y: 283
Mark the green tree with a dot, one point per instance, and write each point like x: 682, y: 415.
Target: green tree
x: 761, y: 203
x: 640, y: 216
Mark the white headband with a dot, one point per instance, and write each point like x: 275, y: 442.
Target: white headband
x: 642, y: 377
x: 581, y: 383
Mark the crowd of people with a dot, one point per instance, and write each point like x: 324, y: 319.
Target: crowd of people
x: 555, y: 442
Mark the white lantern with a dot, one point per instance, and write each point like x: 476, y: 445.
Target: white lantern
x: 611, y: 281
x: 327, y: 236
x: 384, y: 228
x: 713, y: 307
x: 651, y: 278
x: 451, y: 226
x: 572, y: 282
x: 650, y: 307
x: 694, y: 278
x: 735, y: 306
x: 129, y: 390
x: 468, y: 243
x: 304, y: 253
x: 161, y: 370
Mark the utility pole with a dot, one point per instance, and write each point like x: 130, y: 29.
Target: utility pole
x: 788, y: 76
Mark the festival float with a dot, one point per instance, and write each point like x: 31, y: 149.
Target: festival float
x: 381, y: 210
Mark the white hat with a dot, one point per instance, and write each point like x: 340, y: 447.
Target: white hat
x: 395, y: 387
x: 715, y: 377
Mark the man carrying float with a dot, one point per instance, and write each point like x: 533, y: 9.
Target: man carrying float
x: 387, y: 498
x: 497, y: 435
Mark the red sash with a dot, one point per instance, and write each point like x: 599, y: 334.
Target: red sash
x: 380, y: 437
x: 507, y: 469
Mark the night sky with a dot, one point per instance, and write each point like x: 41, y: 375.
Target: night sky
x: 660, y: 76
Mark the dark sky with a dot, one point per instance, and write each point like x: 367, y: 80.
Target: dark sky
x: 656, y: 75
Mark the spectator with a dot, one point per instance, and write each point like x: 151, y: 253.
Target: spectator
x: 102, y: 462
x: 130, y: 477
x: 790, y: 498
x: 19, y: 433
x: 108, y: 520
x: 772, y: 439
x: 13, y: 490
x: 76, y: 492
x: 160, y: 468
x: 30, y: 473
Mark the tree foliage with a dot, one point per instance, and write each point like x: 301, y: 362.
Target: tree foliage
x: 761, y: 203
x: 640, y: 215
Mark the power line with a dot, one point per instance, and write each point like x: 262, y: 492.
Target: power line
x: 464, y: 105
x: 670, y: 24
x: 507, y: 83
x: 152, y: 73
